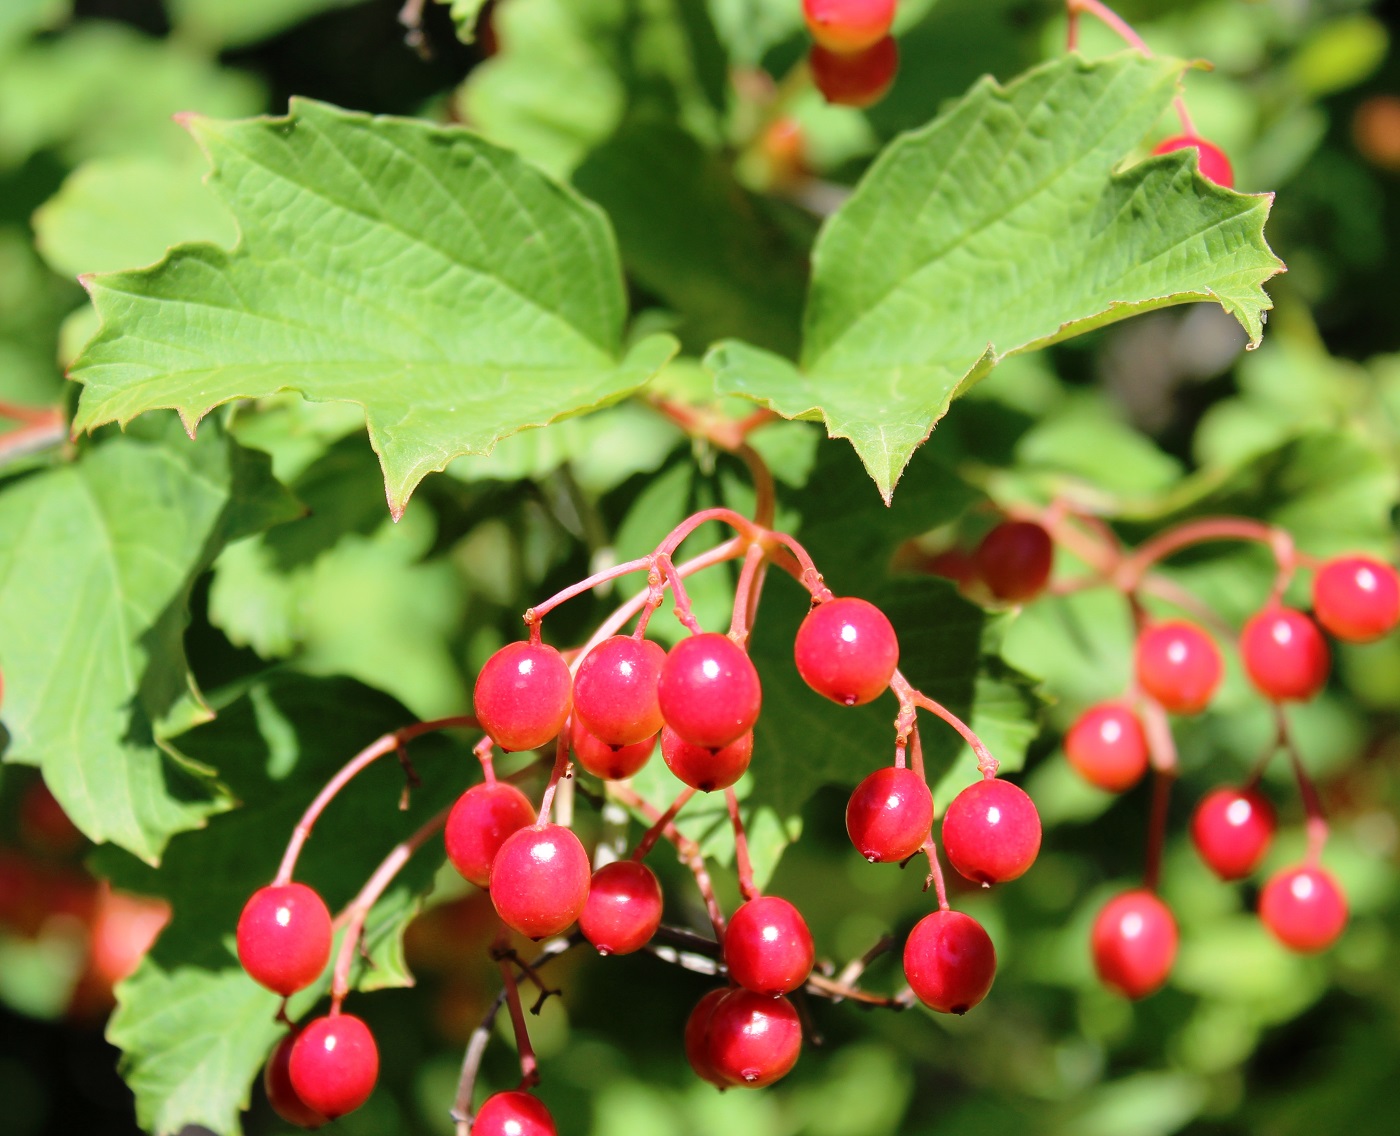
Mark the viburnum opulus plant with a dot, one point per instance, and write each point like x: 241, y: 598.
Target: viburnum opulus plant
x: 696, y: 621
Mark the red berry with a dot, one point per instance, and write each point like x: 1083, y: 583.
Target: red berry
x: 846, y: 26
x: 284, y: 937
x: 753, y: 1039
x: 615, y: 690
x: 846, y: 650
x: 1014, y: 560
x: 697, y: 1037
x: 1231, y: 829
x: 523, y: 694
x: 1107, y: 747
x: 1284, y: 654
x: 1356, y: 598
x: 1213, y: 163
x: 513, y: 1114
x: 1304, y: 907
x: 953, y: 564
x: 858, y: 80
x: 768, y: 947
x: 623, y: 909
x: 1179, y: 665
x: 1134, y: 943
x: 539, y: 880
x: 889, y: 815
x: 478, y: 825
x: 706, y: 769
x: 277, y: 1081
x: 949, y: 961
x: 334, y: 1065
x: 709, y: 690
x: 611, y: 763
x: 991, y: 831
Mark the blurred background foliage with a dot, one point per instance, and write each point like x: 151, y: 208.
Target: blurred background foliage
x: 658, y: 109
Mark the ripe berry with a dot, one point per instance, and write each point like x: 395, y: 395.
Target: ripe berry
x: 523, y: 694
x: 1212, y: 162
x: 706, y: 769
x: 513, y: 1114
x: 709, y: 690
x: 858, y: 80
x: 609, y: 762
x: 615, y: 690
x: 753, y: 1039
x: 1304, y: 907
x: 277, y: 1081
x: 1356, y: 598
x: 478, y: 825
x: 334, y: 1065
x: 539, y: 880
x: 284, y: 937
x: 846, y: 650
x: 1106, y: 746
x: 1014, y: 560
x: 991, y: 831
x: 1134, y: 943
x: 623, y: 909
x: 1284, y: 654
x: 949, y: 961
x: 1231, y: 829
x: 847, y: 26
x: 697, y: 1037
x: 889, y: 815
x: 1179, y: 665
x: 768, y: 947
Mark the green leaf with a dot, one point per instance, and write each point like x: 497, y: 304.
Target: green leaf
x: 97, y: 559
x: 440, y: 283
x: 998, y: 228
x: 232, y: 23
x: 194, y: 1030
x: 19, y: 18
x: 465, y: 14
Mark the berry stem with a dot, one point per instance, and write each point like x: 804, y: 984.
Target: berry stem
x: 529, y: 1067
x: 1161, y: 749
x: 38, y: 430
x: 935, y: 873
x: 1131, y: 571
x: 540, y: 610
x: 389, y: 743
x: 354, y: 916
x: 1307, y: 789
x: 909, y: 695
x: 746, y: 594
x: 654, y: 833
x: 556, y: 774
x: 747, y: 888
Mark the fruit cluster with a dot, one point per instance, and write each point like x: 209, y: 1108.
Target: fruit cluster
x: 606, y: 708
x: 1177, y: 669
x: 854, y: 58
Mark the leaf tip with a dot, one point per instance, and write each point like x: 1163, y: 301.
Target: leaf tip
x: 190, y: 421
x: 186, y: 119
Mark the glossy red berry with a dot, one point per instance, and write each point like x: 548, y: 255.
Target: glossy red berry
x: 1014, y: 560
x: 1107, y: 747
x: 697, y: 1037
x: 284, y: 937
x: 702, y: 768
x: 847, y: 26
x: 615, y: 690
x: 1213, y: 163
x: 1356, y: 598
x: 768, y: 947
x: 1284, y: 654
x: 334, y: 1064
x: 709, y: 690
x: 281, y: 1094
x: 857, y: 80
x: 1179, y: 665
x: 478, y: 825
x: 523, y: 695
x: 611, y: 763
x: 1304, y: 908
x: 754, y: 1039
x: 539, y: 880
x: 513, y: 1114
x: 623, y: 909
x: 1134, y: 943
x: 846, y: 650
x: 949, y: 961
x: 1231, y: 829
x: 889, y: 815
x: 991, y: 831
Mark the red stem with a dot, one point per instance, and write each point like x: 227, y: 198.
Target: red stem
x: 1162, y: 750
x: 1307, y: 790
x: 908, y: 695
x: 529, y: 1067
x: 653, y: 834
x: 935, y: 873
x: 747, y: 888
x: 1131, y: 571
x: 560, y: 770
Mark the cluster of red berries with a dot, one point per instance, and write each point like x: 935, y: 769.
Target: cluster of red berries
x: 854, y: 58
